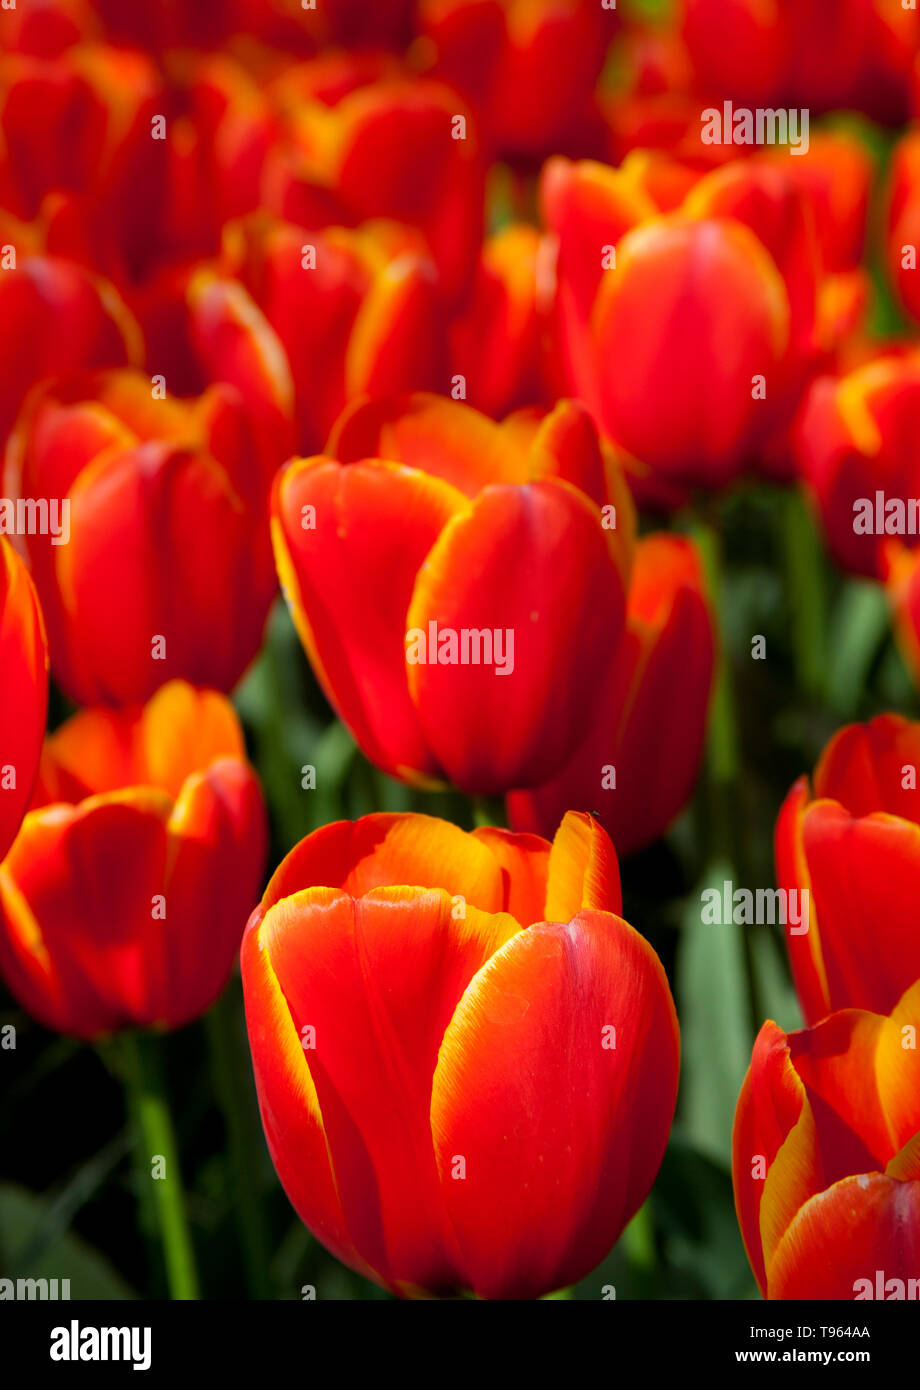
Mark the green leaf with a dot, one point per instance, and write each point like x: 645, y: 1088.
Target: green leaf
x: 23, y: 1214
x: 715, y: 1031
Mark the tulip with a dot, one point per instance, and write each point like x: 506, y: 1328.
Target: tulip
x: 498, y: 341
x: 120, y: 901
x: 351, y: 312
x: 58, y: 319
x: 528, y: 69
x: 404, y: 149
x: 456, y: 585
x: 645, y: 303
x: 186, y: 156
x: 825, y: 1157
x: 166, y: 570
x: 456, y: 1093
x: 853, y: 843
x: 636, y: 765
x: 65, y: 120
x: 855, y: 447
x: 23, y: 690
x: 786, y: 54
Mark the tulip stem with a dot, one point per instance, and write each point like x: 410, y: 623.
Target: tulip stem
x: 726, y: 838
x: 722, y: 751
x: 805, y: 592
x: 158, y: 1166
x: 225, y: 1062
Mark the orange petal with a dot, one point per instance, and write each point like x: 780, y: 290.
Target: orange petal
x: 378, y: 980
x: 387, y: 849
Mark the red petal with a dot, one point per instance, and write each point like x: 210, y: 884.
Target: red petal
x: 560, y: 1136
x: 530, y: 564
x: 369, y: 519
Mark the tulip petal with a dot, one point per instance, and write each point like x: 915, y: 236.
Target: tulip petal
x: 792, y: 872
x: 863, y: 767
x: 583, y: 870
x: 444, y: 438
x: 389, y: 848
x: 530, y: 569
x: 560, y: 1133
x: 356, y: 972
x: 86, y: 878
x: 768, y: 1107
x: 863, y: 875
x: 369, y: 519
x: 863, y: 1224
x: 288, y: 1103
x: 524, y: 864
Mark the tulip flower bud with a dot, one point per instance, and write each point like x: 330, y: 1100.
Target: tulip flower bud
x: 532, y: 1063
x: 121, y: 901
x: 852, y: 843
x: 481, y: 658
x: 825, y: 1159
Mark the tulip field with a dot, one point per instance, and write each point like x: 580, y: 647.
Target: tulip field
x: 459, y: 658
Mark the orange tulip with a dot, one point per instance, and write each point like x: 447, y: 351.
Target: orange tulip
x: 646, y: 301
x: 637, y: 763
x: 455, y: 585
x: 165, y: 567
x: 456, y: 1093
x: 826, y: 1163
x: 23, y: 690
x: 120, y: 901
x: 854, y: 844
x: 855, y: 446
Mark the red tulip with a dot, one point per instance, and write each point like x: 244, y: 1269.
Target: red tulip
x: 351, y: 312
x: 497, y: 342
x: 454, y: 585
x: 646, y: 302
x: 855, y: 445
x: 23, y: 690
x: 528, y: 68
x: 637, y: 763
x: 164, y: 567
x: 399, y: 148
x: 456, y: 1093
x: 787, y: 54
x: 826, y: 1164
x: 65, y: 120
x: 57, y: 319
x: 854, y: 844
x: 121, y: 899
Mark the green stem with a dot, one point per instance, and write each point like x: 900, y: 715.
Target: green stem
x: 726, y: 841
x: 805, y: 592
x: 164, y: 1193
x: 722, y: 743
x: 225, y: 1063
